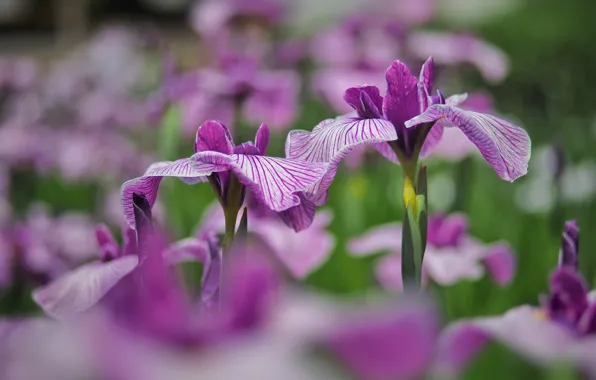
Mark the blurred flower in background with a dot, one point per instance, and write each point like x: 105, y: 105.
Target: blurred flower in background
x: 451, y: 255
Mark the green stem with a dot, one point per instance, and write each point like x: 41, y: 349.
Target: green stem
x: 231, y: 214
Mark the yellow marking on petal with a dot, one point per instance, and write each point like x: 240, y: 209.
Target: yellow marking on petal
x: 540, y: 315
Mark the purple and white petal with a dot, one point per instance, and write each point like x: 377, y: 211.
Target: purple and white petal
x: 331, y: 140
x: 214, y: 136
x: 185, y: 169
x: 272, y: 180
x: 378, y: 239
x: 299, y: 217
x: 523, y: 329
x: 446, y: 266
x: 425, y: 83
x: 82, y: 288
x: 505, y: 146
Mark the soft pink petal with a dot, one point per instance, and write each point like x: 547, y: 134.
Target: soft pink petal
x: 262, y: 139
x: 273, y: 181
x: 300, y: 252
x: 388, y: 272
x: 505, y: 146
x: 331, y: 140
x: 454, y: 145
x: 446, y: 266
x: 500, y: 262
x: 82, y: 288
x: 378, y: 239
x: 190, y: 249
x: 522, y: 329
x: 185, y: 169
x: 432, y: 140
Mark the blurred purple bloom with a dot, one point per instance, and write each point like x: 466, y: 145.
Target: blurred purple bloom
x: 301, y: 253
x: 452, y: 49
x: 17, y: 74
x: 562, y: 328
x: 211, y: 17
x: 237, y: 83
x: 273, y: 181
x: 404, y: 123
x: 397, y: 344
x: 450, y: 256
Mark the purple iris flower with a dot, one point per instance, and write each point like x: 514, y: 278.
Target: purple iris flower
x: 451, y: 254
x: 275, y: 182
x: 563, y: 328
x: 407, y: 123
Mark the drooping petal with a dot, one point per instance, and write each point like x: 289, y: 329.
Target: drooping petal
x: 185, y: 169
x: 299, y: 217
x: 262, y: 139
x: 214, y: 136
x: 82, y: 288
x: 210, y: 279
x: 273, y: 181
x: 378, y: 239
x: 331, y: 140
x: 522, y: 329
x: 570, y: 245
x: 401, y: 101
x: 500, y: 262
x: 505, y: 146
x: 366, y: 100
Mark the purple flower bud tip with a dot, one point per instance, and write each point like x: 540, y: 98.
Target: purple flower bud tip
x: 568, y: 257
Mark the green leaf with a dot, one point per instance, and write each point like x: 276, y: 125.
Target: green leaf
x: 411, y: 250
x: 242, y: 232
x: 169, y: 134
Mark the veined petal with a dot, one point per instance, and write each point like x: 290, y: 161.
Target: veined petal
x: 432, y: 139
x: 299, y: 217
x: 272, y: 180
x: 520, y: 328
x: 506, y: 147
x: 210, y: 280
x: 401, y: 101
x: 82, y: 288
x: 425, y: 83
x: 212, y: 135
x: 331, y: 140
x: 185, y: 169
